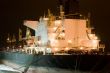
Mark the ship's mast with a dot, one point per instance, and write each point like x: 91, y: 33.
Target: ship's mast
x: 62, y: 16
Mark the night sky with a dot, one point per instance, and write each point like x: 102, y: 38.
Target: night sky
x: 14, y: 12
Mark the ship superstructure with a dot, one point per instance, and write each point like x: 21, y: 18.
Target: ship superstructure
x: 60, y: 33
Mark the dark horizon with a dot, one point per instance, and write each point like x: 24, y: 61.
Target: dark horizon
x: 13, y: 13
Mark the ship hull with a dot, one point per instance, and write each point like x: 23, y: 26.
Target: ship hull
x: 83, y: 63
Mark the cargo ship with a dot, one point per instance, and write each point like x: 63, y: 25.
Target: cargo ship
x: 54, y: 34
x: 60, y: 44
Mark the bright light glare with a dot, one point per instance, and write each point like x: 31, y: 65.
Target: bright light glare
x: 95, y: 38
x: 56, y: 49
x: 55, y: 28
x: 94, y: 41
x: 94, y: 48
x: 91, y: 36
x: 66, y: 48
x: 69, y: 41
x: 46, y: 18
x: 81, y: 47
